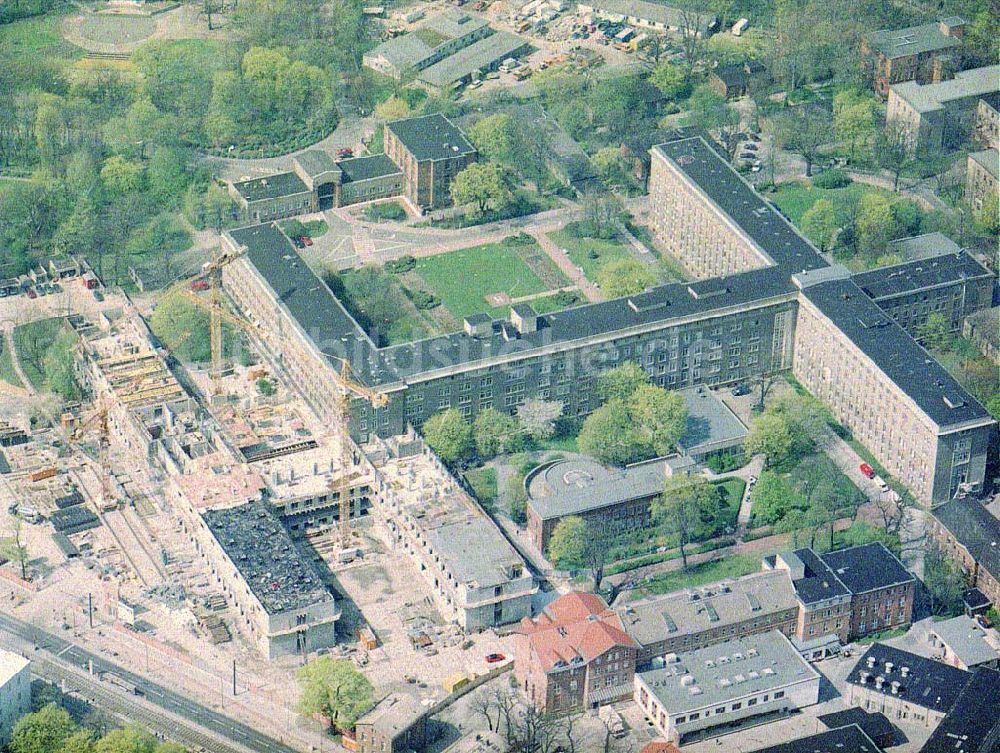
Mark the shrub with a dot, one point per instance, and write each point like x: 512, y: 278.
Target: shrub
x: 401, y: 265
x: 422, y: 299
x: 521, y: 239
x: 565, y: 298
x: 832, y: 179
x: 379, y: 212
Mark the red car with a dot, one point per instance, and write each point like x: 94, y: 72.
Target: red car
x: 306, y: 240
x: 199, y: 285
x: 345, y: 153
x: 495, y: 658
x: 867, y: 470
x: 31, y: 293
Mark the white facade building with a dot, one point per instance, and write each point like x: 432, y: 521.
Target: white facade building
x: 15, y: 692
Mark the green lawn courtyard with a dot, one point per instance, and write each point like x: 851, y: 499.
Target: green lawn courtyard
x: 589, y: 253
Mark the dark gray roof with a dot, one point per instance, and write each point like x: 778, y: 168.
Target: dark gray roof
x: 913, y: 276
x: 865, y: 568
x: 928, y: 683
x: 366, y: 168
x: 924, y: 245
x: 973, y: 723
x: 656, y: 307
x: 772, y: 233
x: 431, y: 137
x: 710, y: 424
x: 315, y: 162
x: 975, y: 528
x: 850, y: 739
x: 875, y: 725
x: 895, y: 353
x: 321, y: 316
x: 254, y: 539
x: 819, y: 582
x: 271, y: 187
x: 913, y: 40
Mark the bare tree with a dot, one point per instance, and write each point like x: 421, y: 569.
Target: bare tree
x: 484, y: 705
x: 692, y: 19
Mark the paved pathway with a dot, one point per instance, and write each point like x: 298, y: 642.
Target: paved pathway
x: 561, y: 259
x: 16, y: 362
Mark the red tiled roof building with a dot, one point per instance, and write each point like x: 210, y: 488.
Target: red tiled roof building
x: 575, y: 654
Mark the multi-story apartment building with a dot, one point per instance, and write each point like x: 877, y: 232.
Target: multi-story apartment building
x: 700, y: 617
x: 437, y: 38
x: 981, y: 175
x: 574, y: 655
x: 863, y: 366
x: 955, y: 285
x: 430, y: 151
x: 986, y: 131
x: 904, y: 686
x: 15, y: 691
x: 844, y: 595
x: 983, y: 328
x: 916, y: 53
x: 698, y: 691
x: 941, y: 115
x: 970, y: 535
x: 779, y: 307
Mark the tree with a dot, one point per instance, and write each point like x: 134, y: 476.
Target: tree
x: 219, y: 206
x: 621, y: 382
x: 892, y: 151
x: 613, y: 168
x: 494, y: 432
x: 538, y: 417
x: 129, y: 739
x: 483, y: 186
x: 610, y: 435
x: 120, y: 176
x: 449, y: 435
x: 14, y: 547
x: 58, y: 366
x: 334, y: 688
x: 81, y: 741
x: 568, y: 543
x: 987, y: 218
x: 935, y: 332
x: 43, y: 731
x: 770, y: 435
x: 394, y: 108
x: 141, y: 125
x: 711, y: 111
x: 773, y: 498
x: 854, y: 118
x: 661, y: 416
x: 819, y: 223
x: 873, y: 226
x: 601, y: 210
x: 266, y: 387
x: 679, y: 509
x: 177, y: 320
x: 500, y: 138
x: 166, y: 175
x: 944, y: 582
x: 670, y: 79
x: 624, y: 276
x: 803, y: 130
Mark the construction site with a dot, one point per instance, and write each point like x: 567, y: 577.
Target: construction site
x: 188, y: 524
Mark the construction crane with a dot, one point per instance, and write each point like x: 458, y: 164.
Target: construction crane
x: 348, y: 389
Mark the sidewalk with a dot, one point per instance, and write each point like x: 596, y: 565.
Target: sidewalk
x: 566, y: 266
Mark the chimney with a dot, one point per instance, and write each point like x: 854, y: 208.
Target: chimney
x: 871, y: 662
x: 904, y: 671
x: 895, y: 687
x: 888, y: 667
x: 879, y: 682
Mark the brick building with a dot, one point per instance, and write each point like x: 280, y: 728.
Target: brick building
x: 845, y: 594
x: 986, y: 130
x: 969, y: 534
x: 941, y: 114
x: 916, y: 53
x: 981, y: 175
x: 574, y: 655
x: 712, y: 614
x: 430, y: 151
x: 397, y: 724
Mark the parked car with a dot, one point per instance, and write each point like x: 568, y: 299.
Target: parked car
x: 749, y: 156
x: 751, y: 146
x: 298, y: 242
x: 751, y: 481
x: 30, y: 292
x: 867, y: 470
x: 199, y: 285
x: 345, y: 152
x: 880, y: 482
x: 56, y: 287
x: 755, y: 167
x: 740, y: 389
x: 306, y: 240
x: 495, y: 658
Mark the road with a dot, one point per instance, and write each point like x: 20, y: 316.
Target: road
x: 60, y: 659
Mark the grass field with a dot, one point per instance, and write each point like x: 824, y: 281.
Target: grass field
x: 463, y: 279
x: 38, y: 39
x: 732, y: 566
x: 589, y: 253
x: 795, y: 199
x: 7, y: 373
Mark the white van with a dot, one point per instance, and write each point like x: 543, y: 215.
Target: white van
x: 880, y: 482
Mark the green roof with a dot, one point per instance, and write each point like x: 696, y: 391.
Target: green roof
x: 431, y: 137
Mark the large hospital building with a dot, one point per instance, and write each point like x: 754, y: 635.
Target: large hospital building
x: 765, y: 300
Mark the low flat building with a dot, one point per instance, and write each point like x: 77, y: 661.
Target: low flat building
x: 877, y: 726
x: 733, y: 81
x: 972, y: 724
x: 272, y: 198
x: 430, y: 150
x: 726, y: 685
x: 711, y: 426
x: 924, y: 246
x: 436, y: 39
x: 481, y: 741
x: 955, y: 285
x: 473, y: 61
x: 915, y: 53
x: 574, y: 655
x: 848, y: 739
x: 964, y: 643
x: 15, y: 691
x: 981, y: 178
x: 647, y: 15
x: 904, y: 686
x: 615, y: 498
x: 713, y: 614
x: 940, y: 115
x: 970, y: 535
x: 338, y: 183
x: 397, y: 724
